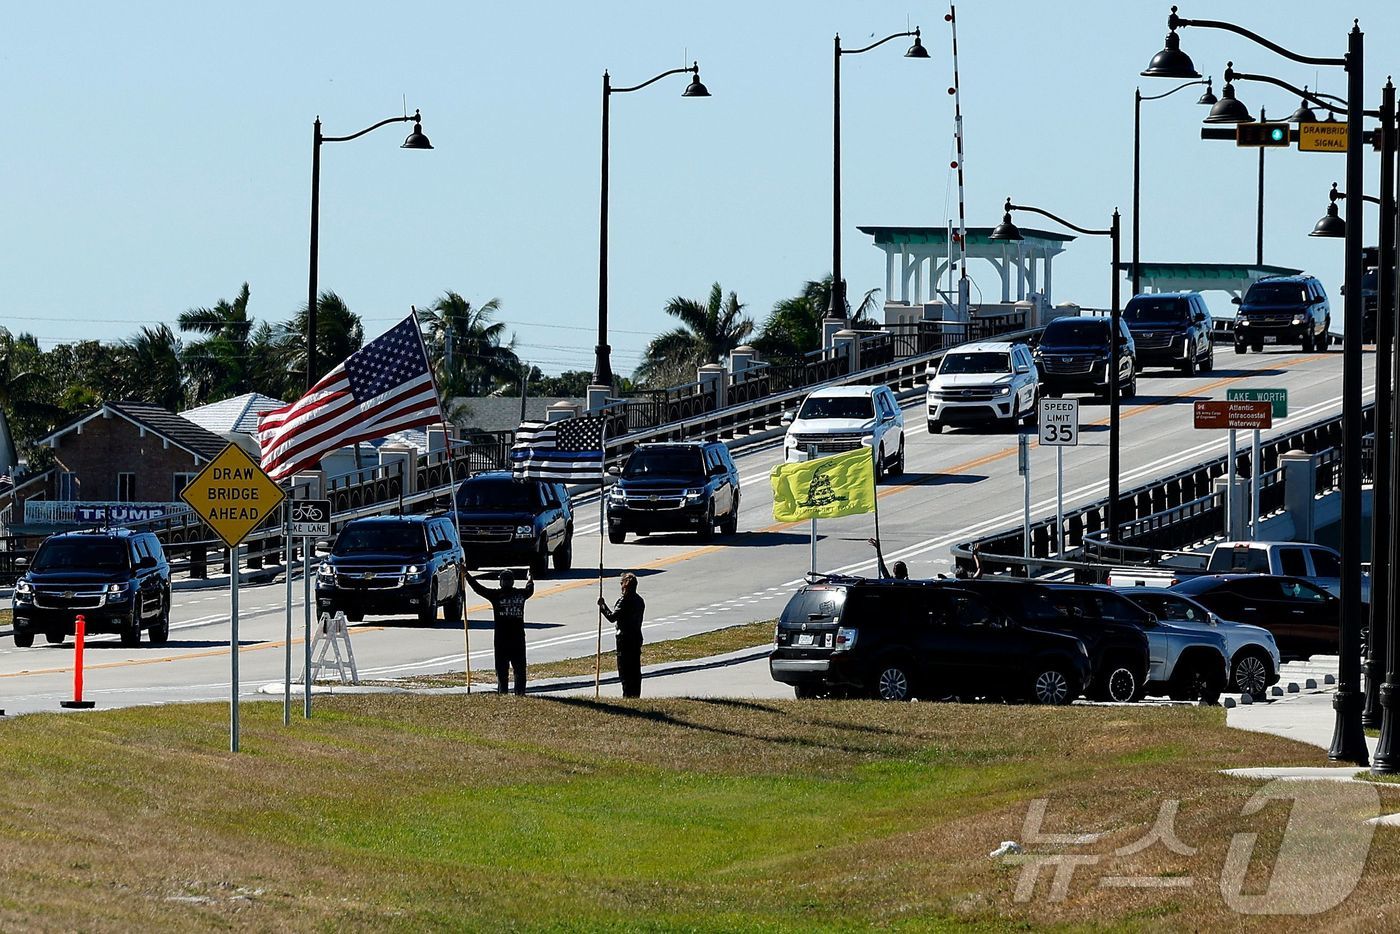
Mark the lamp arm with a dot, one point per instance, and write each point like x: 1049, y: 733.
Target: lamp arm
x: 1059, y: 220
x: 341, y: 139
x: 1179, y: 87
x: 1174, y: 21
x: 1232, y: 75
x: 1341, y: 195
x: 880, y: 43
x: 693, y: 69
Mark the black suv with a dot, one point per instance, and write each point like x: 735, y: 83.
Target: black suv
x: 505, y: 521
x: 1304, y: 619
x: 393, y: 565
x: 1172, y: 329
x: 1073, y: 357
x: 687, y: 486
x: 1110, y: 626
x: 933, y: 639
x: 117, y: 579
x: 1283, y: 310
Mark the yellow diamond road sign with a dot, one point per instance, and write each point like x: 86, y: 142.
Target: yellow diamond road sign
x: 1322, y: 137
x: 232, y: 495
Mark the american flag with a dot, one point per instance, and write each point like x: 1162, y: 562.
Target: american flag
x: 381, y: 388
x: 570, y: 450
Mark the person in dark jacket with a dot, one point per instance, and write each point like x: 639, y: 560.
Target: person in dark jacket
x: 508, y: 607
x: 626, y: 615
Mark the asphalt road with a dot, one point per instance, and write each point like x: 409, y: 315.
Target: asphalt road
x: 956, y: 485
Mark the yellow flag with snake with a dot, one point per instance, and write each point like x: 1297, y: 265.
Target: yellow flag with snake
x: 825, y: 488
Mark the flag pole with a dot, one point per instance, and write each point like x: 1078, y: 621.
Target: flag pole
x: 452, y: 490
x: 602, y: 532
x: 875, y: 499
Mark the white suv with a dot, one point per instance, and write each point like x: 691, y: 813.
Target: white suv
x: 843, y: 418
x: 981, y: 383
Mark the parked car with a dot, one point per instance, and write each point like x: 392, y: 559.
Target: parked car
x: 394, y: 566
x: 117, y: 579
x: 1283, y: 310
x: 1303, y: 618
x: 907, y: 639
x: 1172, y: 329
x: 1111, y: 628
x: 980, y: 384
x: 1073, y: 356
x: 687, y: 486
x: 842, y: 418
x: 505, y: 521
x: 1317, y: 563
x: 1252, y: 651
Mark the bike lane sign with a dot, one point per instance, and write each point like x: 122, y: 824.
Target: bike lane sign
x: 311, y: 518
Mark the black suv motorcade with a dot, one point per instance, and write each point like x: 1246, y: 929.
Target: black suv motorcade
x: 1110, y: 626
x: 395, y: 566
x: 1172, y: 329
x: 897, y: 640
x: 675, y: 487
x: 1283, y: 310
x: 1304, y: 619
x: 1073, y: 353
x: 505, y: 521
x: 117, y: 579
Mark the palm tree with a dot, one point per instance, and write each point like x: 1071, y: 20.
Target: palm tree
x: 339, y: 333
x: 26, y: 392
x: 219, y: 364
x: 154, y: 361
x: 470, y: 352
x: 707, y: 334
x: 794, y: 327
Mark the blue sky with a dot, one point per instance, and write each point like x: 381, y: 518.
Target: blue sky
x: 158, y: 154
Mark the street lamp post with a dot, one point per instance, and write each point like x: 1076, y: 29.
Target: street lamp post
x: 602, y: 355
x: 1208, y: 98
x: 836, y: 301
x: 415, y: 140
x: 1348, y: 737
x: 1007, y: 230
x: 1387, y: 758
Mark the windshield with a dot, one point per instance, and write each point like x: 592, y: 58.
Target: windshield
x: 982, y: 362
x: 814, y: 605
x: 81, y: 554
x: 837, y: 407
x: 1239, y: 560
x: 381, y: 537
x: 646, y: 463
x: 1156, y: 311
x: 503, y: 495
x: 1277, y: 293
x: 1076, y: 332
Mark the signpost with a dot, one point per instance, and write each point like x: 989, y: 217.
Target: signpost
x: 1023, y: 467
x: 233, y: 496
x: 1234, y: 415
x: 1322, y: 137
x: 1278, y: 398
x: 1059, y: 428
x: 306, y: 519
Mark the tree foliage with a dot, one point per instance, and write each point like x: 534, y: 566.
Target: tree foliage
x: 708, y: 332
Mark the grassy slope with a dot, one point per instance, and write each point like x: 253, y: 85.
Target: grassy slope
x: 405, y: 812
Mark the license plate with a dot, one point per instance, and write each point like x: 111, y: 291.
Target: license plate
x: 805, y: 638
x: 1271, y: 339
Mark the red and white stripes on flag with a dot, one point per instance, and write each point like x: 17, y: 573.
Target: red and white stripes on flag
x: 383, y: 387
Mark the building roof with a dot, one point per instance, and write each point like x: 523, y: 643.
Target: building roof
x: 502, y: 413
x: 161, y: 422
x: 976, y: 236
x: 238, y: 414
x: 1208, y: 271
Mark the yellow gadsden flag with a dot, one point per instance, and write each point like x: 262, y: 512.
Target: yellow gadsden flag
x: 826, y: 488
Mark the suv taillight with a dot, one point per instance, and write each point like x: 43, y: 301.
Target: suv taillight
x: 845, y: 639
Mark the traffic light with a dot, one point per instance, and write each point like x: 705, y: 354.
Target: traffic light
x: 1261, y: 134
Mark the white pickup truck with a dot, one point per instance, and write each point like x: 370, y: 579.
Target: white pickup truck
x: 1316, y: 563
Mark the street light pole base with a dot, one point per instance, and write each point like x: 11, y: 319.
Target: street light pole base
x: 1386, y: 761
x: 1348, y: 736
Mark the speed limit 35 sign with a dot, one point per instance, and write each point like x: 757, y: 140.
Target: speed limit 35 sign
x: 1059, y: 422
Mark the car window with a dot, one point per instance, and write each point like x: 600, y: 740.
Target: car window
x: 981, y: 361
x: 1157, y: 311
x: 1291, y: 561
x: 837, y: 407
x: 1260, y: 588
x: 968, y: 610
x: 1277, y: 293
x: 1302, y: 590
x: 1075, y: 331
x: 818, y: 604
x: 1325, y: 564
x: 395, y: 538
x: 1244, y: 560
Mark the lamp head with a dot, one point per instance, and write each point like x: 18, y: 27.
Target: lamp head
x: 1171, y: 62
x: 917, y: 50
x: 695, y: 88
x: 1304, y: 113
x: 1228, y: 109
x: 1006, y: 230
x: 1208, y: 99
x: 1332, y: 224
x: 416, y: 139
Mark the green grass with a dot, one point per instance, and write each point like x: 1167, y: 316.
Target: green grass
x: 404, y: 812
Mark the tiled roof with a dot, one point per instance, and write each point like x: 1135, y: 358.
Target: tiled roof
x: 238, y: 414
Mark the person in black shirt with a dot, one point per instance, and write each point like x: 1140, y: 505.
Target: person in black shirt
x: 626, y: 615
x: 508, y: 606
x: 901, y: 570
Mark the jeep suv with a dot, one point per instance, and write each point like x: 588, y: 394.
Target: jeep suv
x: 838, y: 419
x: 687, y: 486
x: 981, y: 383
x: 1283, y: 310
x: 930, y: 639
x: 1073, y: 357
x: 505, y: 521
x: 393, y: 565
x: 1172, y: 329
x: 117, y: 579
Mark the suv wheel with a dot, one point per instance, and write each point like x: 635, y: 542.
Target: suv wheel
x: 131, y: 632
x: 1240, y: 347
x: 539, y: 561
x: 616, y: 536
x: 159, y: 633
x: 1192, y: 681
x: 880, y: 464
x: 1189, y: 367
x: 427, y: 615
x: 935, y: 427
x: 730, y: 525
x: 1309, y: 342
x: 1130, y: 391
x: 1209, y: 365
x: 892, y: 682
x: 1250, y: 675
x: 707, y: 530
x: 564, y: 554
x: 898, y: 469
x: 1052, y: 686
x: 23, y: 640
x: 1119, y: 685
x: 55, y: 638
x: 806, y: 692
x: 453, y: 608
